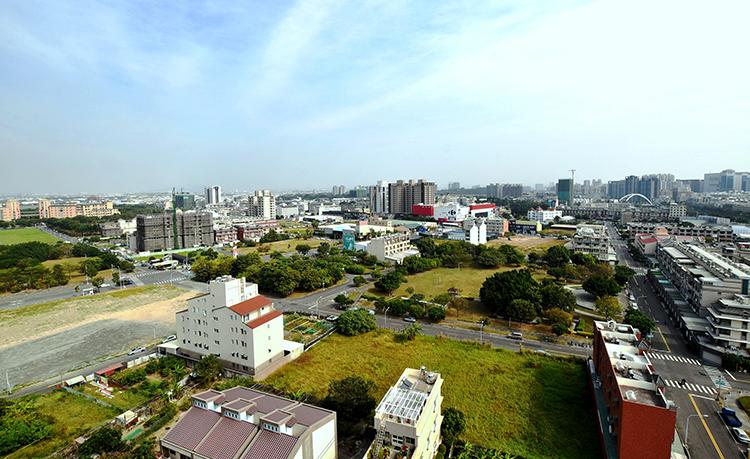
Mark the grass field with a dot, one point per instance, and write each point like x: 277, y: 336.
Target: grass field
x: 72, y: 268
x: 439, y: 280
x: 527, y: 244
x: 20, y: 235
x: 288, y: 245
x: 73, y: 416
x: 122, y: 399
x: 526, y: 404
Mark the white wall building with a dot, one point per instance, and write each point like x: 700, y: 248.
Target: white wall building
x: 379, y: 198
x: 410, y: 415
x: 476, y: 231
x: 236, y: 324
x: 262, y: 205
x: 393, y: 247
x: 213, y: 195
x: 452, y: 211
x: 594, y: 240
x: 543, y: 216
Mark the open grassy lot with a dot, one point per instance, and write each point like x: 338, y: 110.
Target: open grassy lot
x: 288, y: 245
x: 526, y: 404
x: 72, y: 267
x: 527, y: 244
x: 122, y: 399
x: 20, y: 235
x: 439, y: 280
x: 73, y: 416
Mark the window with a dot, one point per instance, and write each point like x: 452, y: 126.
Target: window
x: 271, y: 427
x: 397, y: 440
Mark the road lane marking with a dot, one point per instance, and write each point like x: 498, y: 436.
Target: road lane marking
x: 730, y: 375
x: 705, y: 426
x: 664, y: 339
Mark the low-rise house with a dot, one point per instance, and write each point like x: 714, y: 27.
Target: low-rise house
x: 241, y: 423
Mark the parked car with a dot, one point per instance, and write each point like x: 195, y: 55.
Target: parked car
x: 332, y: 318
x: 741, y: 435
x: 370, y: 311
x: 169, y: 338
x: 516, y: 335
x: 410, y: 319
x: 137, y: 350
x: 730, y: 418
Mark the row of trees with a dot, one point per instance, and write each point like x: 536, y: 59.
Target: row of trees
x: 454, y: 254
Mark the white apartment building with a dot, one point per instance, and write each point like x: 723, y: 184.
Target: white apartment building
x: 476, y: 231
x: 262, y: 205
x: 543, y: 216
x: 379, y: 202
x: 242, y: 423
x: 237, y: 325
x: 393, y: 247
x: 409, y: 417
x: 594, y: 240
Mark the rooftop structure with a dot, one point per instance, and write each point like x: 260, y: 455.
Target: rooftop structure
x: 408, y: 419
x: 242, y: 423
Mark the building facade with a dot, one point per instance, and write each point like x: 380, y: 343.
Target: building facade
x: 243, y: 423
x: 565, y: 191
x: 213, y: 195
x: 393, y: 247
x: 542, y: 215
x: 262, y: 205
x: 594, y: 240
x: 174, y: 230
x: 409, y: 417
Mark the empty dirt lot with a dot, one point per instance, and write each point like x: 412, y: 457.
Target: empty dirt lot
x: 45, y: 340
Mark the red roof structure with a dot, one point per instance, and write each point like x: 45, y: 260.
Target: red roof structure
x: 253, y: 304
x: 264, y: 319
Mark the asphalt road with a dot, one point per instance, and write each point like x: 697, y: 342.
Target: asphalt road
x: 708, y: 437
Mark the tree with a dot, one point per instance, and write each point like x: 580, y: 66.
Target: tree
x: 352, y: 323
x: 91, y: 266
x: 390, y: 281
x: 489, y: 258
x: 303, y: 248
x: 459, y: 303
x: 639, y: 320
x: 442, y: 298
x: 207, y: 370
x: 512, y: 255
x: 323, y: 249
x: 59, y: 276
x: 583, y: 259
x: 143, y: 450
x: 454, y: 424
x: 601, y: 285
x: 359, y: 281
x: 104, y: 440
x: 436, y: 314
x: 343, y: 300
x: 558, y: 316
x: 557, y: 256
x: 351, y: 398
x: 521, y: 310
x: 623, y: 274
x: 608, y: 306
x: 115, y: 278
x: 411, y: 332
x: 500, y: 289
x: 559, y: 329
x: 97, y: 281
x: 557, y: 296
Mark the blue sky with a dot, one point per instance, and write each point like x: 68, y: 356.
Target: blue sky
x: 129, y: 96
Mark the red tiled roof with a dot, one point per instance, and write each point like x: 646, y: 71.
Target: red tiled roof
x: 253, y: 304
x: 263, y: 319
x: 226, y: 439
x: 271, y: 445
x: 192, y: 428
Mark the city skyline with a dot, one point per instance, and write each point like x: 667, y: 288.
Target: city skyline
x: 126, y: 97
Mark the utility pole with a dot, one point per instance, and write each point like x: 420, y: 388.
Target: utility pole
x: 572, y: 186
x: 7, y: 380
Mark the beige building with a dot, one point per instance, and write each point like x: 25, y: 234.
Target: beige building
x: 409, y: 416
x: 594, y: 240
x: 11, y: 210
x: 262, y: 205
x: 237, y: 325
x: 393, y: 247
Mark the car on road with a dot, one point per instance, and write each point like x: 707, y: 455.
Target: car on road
x: 411, y: 320
x: 105, y: 286
x: 730, y: 418
x: 137, y: 350
x: 126, y: 282
x: 516, y: 335
x: 169, y: 338
x: 542, y: 351
x: 332, y: 318
x: 741, y: 435
x: 370, y: 311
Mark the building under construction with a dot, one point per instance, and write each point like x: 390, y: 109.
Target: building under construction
x: 174, y: 230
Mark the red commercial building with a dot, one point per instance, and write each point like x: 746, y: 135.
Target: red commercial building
x: 423, y: 210
x: 636, y: 419
x: 481, y: 210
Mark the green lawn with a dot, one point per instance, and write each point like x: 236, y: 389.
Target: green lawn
x: 439, y: 280
x: 73, y: 416
x: 285, y: 246
x: 20, y: 235
x: 526, y: 404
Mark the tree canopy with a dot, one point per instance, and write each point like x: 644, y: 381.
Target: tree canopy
x: 639, y: 320
x: 356, y: 322
x: 499, y: 290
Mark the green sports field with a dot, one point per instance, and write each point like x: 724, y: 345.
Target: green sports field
x: 20, y: 235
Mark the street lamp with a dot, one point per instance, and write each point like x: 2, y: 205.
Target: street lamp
x: 687, y: 426
x: 386, y: 316
x: 481, y: 331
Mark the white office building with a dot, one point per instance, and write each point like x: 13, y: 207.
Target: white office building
x: 379, y: 198
x: 213, y: 195
x: 543, y: 216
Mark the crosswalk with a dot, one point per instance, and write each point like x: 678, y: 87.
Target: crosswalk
x: 672, y: 358
x: 697, y: 388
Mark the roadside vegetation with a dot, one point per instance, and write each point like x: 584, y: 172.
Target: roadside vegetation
x: 524, y: 404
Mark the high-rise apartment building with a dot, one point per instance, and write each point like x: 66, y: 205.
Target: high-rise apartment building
x: 183, y: 200
x: 338, y: 190
x: 213, y: 195
x: 399, y: 197
x: 178, y: 230
x: 453, y: 186
x: 565, y: 191
x: 262, y: 205
x: 504, y: 190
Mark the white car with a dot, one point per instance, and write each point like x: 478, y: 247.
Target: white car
x: 332, y: 318
x: 741, y: 435
x: 137, y: 350
x: 169, y: 338
x: 410, y: 319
